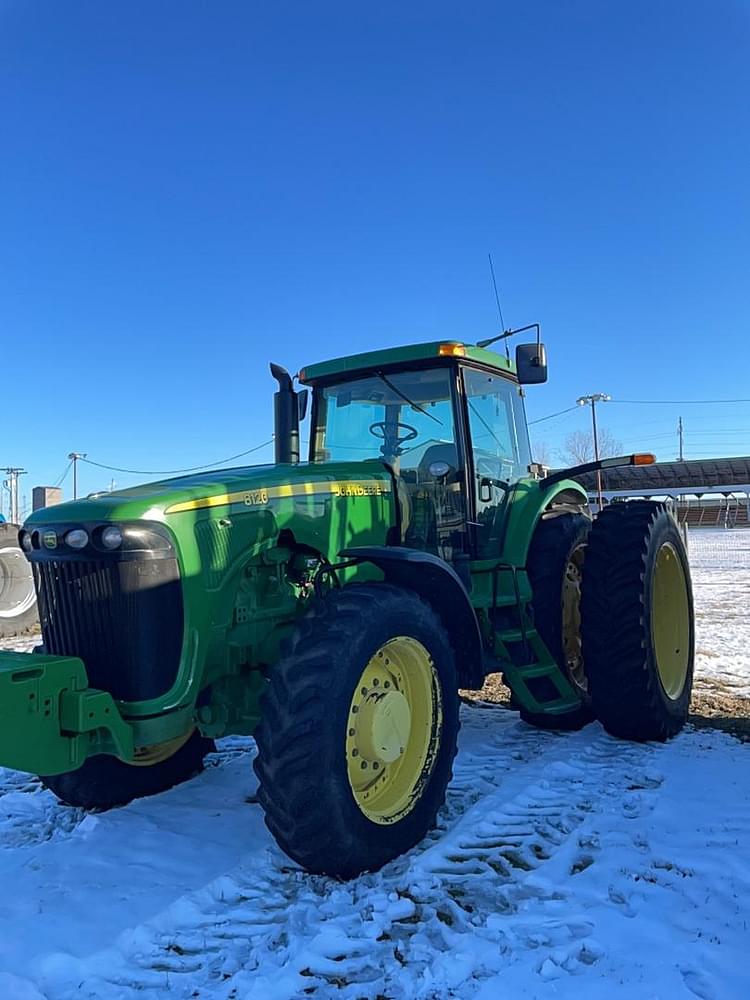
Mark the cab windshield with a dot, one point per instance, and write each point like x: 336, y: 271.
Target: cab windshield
x: 406, y: 419
x: 403, y: 418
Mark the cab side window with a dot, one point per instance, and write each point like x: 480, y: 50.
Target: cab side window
x: 499, y: 444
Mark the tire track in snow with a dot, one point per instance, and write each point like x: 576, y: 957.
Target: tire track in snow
x: 481, y: 886
x: 29, y: 814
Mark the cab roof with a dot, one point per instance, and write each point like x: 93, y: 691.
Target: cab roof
x: 437, y: 350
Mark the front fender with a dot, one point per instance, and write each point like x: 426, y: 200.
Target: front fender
x: 438, y: 584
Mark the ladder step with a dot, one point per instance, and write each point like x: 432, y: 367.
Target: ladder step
x: 516, y: 635
x: 531, y: 670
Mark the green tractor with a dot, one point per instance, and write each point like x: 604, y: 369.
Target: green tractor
x: 333, y: 608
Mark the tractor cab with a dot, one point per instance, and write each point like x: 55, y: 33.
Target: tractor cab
x: 449, y: 424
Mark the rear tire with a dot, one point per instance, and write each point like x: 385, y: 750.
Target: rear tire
x: 104, y: 781
x: 555, y: 562
x: 18, y: 612
x: 313, y: 736
x: 637, y: 621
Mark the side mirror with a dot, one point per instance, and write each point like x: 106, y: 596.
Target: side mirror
x: 302, y: 397
x: 531, y: 363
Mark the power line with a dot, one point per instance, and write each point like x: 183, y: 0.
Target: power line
x: 678, y: 402
x: 647, y: 402
x: 174, y: 472
x: 549, y: 416
x: 64, y: 476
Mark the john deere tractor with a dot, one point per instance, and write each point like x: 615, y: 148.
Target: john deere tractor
x: 334, y: 607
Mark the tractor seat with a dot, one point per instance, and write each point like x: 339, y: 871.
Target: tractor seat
x: 431, y: 500
x: 442, y: 452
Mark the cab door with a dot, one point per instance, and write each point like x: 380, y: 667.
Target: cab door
x: 498, y: 449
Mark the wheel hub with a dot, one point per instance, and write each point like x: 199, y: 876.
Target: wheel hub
x: 670, y: 621
x: 393, y: 730
x: 383, y: 726
x: 571, y: 612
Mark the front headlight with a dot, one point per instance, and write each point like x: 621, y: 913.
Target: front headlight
x: 78, y: 538
x: 111, y: 537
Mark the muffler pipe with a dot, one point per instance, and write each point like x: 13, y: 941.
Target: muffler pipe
x: 285, y: 417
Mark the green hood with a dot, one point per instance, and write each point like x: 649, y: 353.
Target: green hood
x: 241, y: 488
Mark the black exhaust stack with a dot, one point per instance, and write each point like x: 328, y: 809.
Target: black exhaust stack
x: 285, y: 417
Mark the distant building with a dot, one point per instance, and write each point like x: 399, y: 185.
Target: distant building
x: 45, y: 496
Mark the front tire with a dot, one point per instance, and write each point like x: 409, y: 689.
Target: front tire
x: 637, y: 621
x: 103, y: 782
x: 358, y: 731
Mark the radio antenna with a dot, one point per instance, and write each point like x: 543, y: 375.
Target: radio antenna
x: 499, y: 307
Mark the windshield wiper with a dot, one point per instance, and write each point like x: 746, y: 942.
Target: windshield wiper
x: 480, y: 417
x: 406, y: 399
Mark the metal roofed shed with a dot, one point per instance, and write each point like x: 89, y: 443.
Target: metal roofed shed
x: 695, y: 477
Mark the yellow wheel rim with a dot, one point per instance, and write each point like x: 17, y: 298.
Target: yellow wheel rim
x: 571, y: 617
x: 159, y: 752
x: 393, y: 730
x: 670, y: 620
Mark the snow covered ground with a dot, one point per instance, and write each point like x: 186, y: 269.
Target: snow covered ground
x: 720, y: 567
x: 564, y: 866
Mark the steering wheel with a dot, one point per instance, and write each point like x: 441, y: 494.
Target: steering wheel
x: 380, y: 429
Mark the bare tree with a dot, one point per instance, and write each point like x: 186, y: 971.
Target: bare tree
x: 542, y: 453
x: 579, y: 447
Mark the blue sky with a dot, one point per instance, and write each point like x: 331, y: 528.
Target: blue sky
x: 190, y: 190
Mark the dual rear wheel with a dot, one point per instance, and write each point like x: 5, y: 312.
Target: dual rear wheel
x: 637, y: 621
x: 613, y: 603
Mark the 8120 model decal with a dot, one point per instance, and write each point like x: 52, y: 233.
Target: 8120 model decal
x: 260, y: 497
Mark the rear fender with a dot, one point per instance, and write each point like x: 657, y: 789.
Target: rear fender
x: 528, y: 503
x: 438, y: 584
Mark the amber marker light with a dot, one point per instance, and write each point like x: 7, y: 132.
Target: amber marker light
x: 644, y: 458
x: 452, y: 351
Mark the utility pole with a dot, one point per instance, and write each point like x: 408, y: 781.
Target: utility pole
x: 11, y: 484
x: 74, y: 456
x: 680, y: 435
x: 592, y: 400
